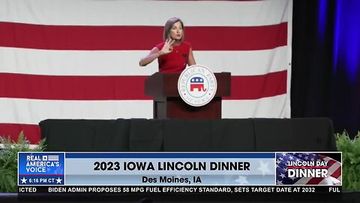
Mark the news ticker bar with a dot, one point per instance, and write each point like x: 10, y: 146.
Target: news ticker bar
x: 179, y: 169
x: 179, y: 189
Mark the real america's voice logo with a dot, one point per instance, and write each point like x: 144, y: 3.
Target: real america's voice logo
x: 197, y: 85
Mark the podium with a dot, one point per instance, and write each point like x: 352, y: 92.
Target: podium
x: 162, y: 87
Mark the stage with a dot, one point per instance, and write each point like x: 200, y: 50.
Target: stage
x: 237, y: 135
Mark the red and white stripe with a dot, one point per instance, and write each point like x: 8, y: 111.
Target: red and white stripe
x: 78, y: 59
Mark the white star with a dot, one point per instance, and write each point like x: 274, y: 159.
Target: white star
x: 264, y: 168
x: 278, y: 182
x: 58, y: 180
x: 282, y: 175
x: 23, y: 180
x: 242, y: 180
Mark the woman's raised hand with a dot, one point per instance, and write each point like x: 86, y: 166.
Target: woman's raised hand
x: 167, y: 48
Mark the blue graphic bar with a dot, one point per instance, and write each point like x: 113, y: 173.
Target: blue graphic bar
x: 179, y: 169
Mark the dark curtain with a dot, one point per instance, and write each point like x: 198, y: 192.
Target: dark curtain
x: 320, y: 88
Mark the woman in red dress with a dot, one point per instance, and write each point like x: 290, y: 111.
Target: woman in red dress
x: 174, y: 53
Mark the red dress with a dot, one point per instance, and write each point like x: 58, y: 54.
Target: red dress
x: 175, y: 61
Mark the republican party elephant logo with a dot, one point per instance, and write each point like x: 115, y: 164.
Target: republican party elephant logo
x: 197, y: 83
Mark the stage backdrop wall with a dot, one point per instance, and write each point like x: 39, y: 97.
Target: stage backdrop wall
x: 79, y: 59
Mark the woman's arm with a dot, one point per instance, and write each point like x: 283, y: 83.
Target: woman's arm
x: 191, y: 60
x: 155, y: 53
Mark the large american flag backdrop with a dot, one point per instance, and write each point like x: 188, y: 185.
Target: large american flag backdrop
x: 78, y: 59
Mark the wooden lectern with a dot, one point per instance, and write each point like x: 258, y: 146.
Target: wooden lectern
x: 162, y: 87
